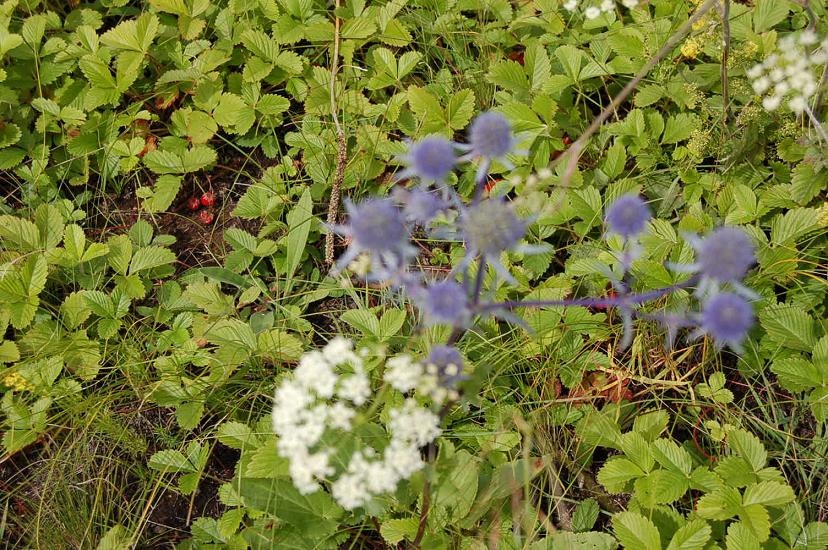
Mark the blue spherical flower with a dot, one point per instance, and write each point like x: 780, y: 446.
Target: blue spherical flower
x: 491, y: 227
x: 727, y: 318
x: 420, y: 206
x: 490, y: 136
x: 443, y: 302
x: 430, y: 159
x: 376, y: 226
x: 447, y: 364
x: 628, y: 216
x: 725, y: 255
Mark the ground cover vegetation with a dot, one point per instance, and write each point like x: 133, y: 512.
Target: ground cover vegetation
x: 539, y: 274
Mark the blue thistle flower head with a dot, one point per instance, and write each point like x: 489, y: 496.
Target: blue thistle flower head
x: 447, y: 364
x: 420, y: 206
x: 491, y: 227
x: 727, y: 318
x: 376, y: 226
x: 443, y: 302
x: 725, y: 255
x: 490, y: 136
x: 430, y: 159
x: 627, y: 216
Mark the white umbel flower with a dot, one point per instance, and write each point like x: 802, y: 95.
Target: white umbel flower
x: 319, y: 404
x: 403, y: 373
x: 790, y: 77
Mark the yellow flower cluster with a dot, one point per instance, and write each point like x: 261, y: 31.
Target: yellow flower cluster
x: 822, y: 215
x: 691, y: 48
x: 16, y: 382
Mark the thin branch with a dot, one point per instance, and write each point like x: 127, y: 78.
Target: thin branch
x: 573, y: 153
x: 342, y: 146
x: 725, y: 59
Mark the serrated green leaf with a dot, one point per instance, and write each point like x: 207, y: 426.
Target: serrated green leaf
x: 789, y: 325
x: 636, y: 532
x: 721, y: 504
x: 617, y: 472
x: 150, y: 257
x: 170, y: 461
x: 796, y: 374
x: 671, y: 456
x: 692, y: 536
x: 460, y: 109
x: 768, y: 493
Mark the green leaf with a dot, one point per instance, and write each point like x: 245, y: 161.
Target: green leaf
x: 585, y: 515
x: 617, y: 472
x: 721, y: 504
x: 233, y: 114
x: 741, y: 537
x: 768, y: 13
x: 170, y: 461
x: 390, y: 323
x: 299, y: 219
x: 362, y: 320
x: 755, y: 517
x: 314, y: 513
x: 636, y: 532
x: 793, y: 225
x: 749, y: 447
x: 279, y: 345
x: 237, y: 435
x: 150, y: 257
x: 460, y: 109
x: 395, y: 531
x: 9, y: 352
x: 692, y: 536
x: 135, y: 35
x: 796, y: 374
x: 164, y: 193
x: 768, y: 493
x: 235, y: 339
x: 806, y: 183
x: 358, y: 28
x: 679, y: 127
x: 671, y: 456
x: 789, y: 326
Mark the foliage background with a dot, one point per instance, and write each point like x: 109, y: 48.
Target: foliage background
x: 141, y: 345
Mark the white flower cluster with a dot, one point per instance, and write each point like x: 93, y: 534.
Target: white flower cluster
x: 595, y: 11
x: 790, y: 73
x: 405, y: 374
x: 326, y: 389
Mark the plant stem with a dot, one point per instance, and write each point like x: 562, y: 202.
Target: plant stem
x: 342, y: 146
x: 725, y: 59
x: 817, y: 124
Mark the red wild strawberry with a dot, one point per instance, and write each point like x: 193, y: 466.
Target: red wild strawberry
x: 206, y: 217
x: 193, y: 203
x: 208, y: 199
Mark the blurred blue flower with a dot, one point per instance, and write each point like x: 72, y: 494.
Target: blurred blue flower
x: 430, y: 160
x: 723, y: 256
x: 376, y: 226
x: 420, y: 206
x: 443, y: 302
x: 447, y: 364
x: 490, y: 138
x: 627, y: 216
x: 490, y: 228
x: 727, y: 318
